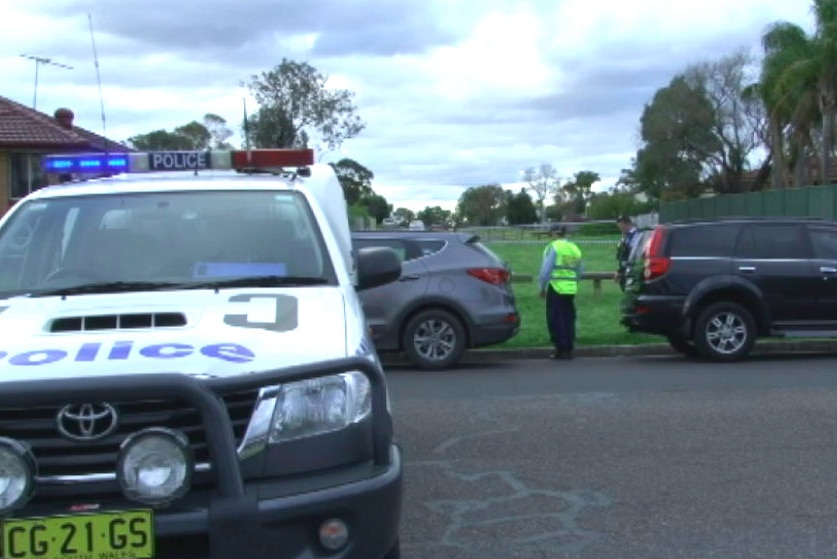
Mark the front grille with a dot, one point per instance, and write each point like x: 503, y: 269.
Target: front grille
x: 59, y: 456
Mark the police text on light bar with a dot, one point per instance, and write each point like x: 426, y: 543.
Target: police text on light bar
x: 154, y: 161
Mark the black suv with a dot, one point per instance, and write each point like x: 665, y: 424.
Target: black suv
x: 711, y: 287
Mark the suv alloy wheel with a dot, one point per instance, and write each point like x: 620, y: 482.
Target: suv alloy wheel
x: 434, y: 339
x: 724, y: 331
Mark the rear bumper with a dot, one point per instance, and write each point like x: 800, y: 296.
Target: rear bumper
x: 655, y: 314
x: 494, y: 329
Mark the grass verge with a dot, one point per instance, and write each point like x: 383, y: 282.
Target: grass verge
x: 598, y: 319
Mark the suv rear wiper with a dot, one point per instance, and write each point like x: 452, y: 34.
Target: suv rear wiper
x: 256, y: 281
x: 107, y: 287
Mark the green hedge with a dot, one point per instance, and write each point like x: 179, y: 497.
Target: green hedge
x: 598, y: 229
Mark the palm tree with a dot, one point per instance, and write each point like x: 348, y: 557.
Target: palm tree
x: 784, y: 44
x: 799, y: 87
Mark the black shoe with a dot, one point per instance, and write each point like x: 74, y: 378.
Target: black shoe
x: 557, y: 354
x: 568, y: 354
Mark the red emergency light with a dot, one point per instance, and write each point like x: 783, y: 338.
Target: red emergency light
x: 268, y: 158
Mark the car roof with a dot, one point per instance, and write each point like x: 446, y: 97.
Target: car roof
x: 465, y: 237
x: 746, y: 219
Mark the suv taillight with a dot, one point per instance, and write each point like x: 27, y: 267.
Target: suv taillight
x: 494, y: 276
x: 656, y: 265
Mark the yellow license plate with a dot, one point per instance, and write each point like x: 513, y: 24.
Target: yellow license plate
x: 108, y: 535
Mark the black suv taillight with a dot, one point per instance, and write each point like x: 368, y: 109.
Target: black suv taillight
x: 656, y: 265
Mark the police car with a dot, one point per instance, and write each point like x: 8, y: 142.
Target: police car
x: 185, y: 368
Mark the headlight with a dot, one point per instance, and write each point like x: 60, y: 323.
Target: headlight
x: 322, y: 405
x: 155, y: 466
x: 17, y: 474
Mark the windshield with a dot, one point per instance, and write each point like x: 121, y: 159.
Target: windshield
x: 191, y: 238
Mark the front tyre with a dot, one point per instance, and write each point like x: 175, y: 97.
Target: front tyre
x: 724, y: 332
x: 434, y: 339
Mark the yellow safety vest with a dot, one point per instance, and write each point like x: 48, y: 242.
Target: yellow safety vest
x: 566, y: 272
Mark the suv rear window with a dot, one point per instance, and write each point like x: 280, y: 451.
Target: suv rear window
x: 703, y: 240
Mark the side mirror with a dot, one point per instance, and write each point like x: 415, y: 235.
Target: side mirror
x: 377, y: 266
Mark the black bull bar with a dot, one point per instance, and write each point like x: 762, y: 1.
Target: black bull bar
x: 232, y: 513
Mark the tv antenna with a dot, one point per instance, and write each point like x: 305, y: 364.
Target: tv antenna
x: 38, y: 61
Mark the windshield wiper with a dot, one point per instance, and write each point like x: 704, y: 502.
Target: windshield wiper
x: 256, y: 281
x: 107, y: 287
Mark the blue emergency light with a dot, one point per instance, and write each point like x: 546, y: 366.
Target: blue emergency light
x: 86, y: 163
x: 155, y: 161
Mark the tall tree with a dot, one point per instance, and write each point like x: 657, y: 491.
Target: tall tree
x: 798, y: 86
x: 299, y: 95
x: 737, y: 119
x: 434, y: 215
x: 355, y: 179
x: 580, y: 189
x: 521, y: 209
x: 483, y: 205
x: 543, y: 182
x: 784, y: 46
x: 218, y: 130
x: 196, y: 133
x: 378, y: 207
x: 270, y: 127
x: 404, y: 215
x: 677, y: 133
x: 160, y: 140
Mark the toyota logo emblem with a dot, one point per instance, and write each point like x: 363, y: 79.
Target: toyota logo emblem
x: 87, y: 422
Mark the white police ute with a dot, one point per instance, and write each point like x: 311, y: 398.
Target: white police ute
x: 185, y: 368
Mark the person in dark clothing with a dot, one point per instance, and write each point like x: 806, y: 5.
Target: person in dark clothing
x: 623, y: 250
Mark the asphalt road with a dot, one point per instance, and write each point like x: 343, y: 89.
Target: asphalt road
x: 631, y: 457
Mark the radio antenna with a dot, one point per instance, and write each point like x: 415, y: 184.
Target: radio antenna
x: 247, y: 133
x: 99, y: 81
x: 38, y: 61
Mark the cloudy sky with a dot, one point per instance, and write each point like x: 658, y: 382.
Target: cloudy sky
x: 455, y: 93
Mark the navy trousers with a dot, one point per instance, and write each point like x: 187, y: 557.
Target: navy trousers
x: 560, y: 319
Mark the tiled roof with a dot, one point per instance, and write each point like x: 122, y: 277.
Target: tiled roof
x: 22, y: 127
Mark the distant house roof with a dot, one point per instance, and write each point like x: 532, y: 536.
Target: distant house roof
x: 22, y: 127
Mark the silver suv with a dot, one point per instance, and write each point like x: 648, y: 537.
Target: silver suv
x: 453, y: 294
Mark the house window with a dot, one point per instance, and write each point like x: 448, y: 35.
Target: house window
x: 25, y: 174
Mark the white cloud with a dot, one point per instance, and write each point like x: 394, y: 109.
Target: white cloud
x: 455, y: 93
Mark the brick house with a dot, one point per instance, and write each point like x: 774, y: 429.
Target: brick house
x: 26, y: 135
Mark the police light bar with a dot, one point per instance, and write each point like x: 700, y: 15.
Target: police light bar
x: 153, y: 161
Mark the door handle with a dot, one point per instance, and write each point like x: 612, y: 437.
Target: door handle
x: 746, y: 268
x: 411, y: 277
x: 828, y: 270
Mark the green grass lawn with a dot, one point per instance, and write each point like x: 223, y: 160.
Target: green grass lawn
x: 598, y: 319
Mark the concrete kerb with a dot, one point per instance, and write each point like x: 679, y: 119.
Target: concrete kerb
x: 764, y: 347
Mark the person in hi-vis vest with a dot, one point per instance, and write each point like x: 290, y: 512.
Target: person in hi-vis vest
x: 558, y: 281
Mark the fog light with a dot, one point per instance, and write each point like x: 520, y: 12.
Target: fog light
x: 155, y: 466
x: 17, y: 474
x: 333, y: 534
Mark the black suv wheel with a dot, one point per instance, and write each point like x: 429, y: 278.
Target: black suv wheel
x: 724, y: 331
